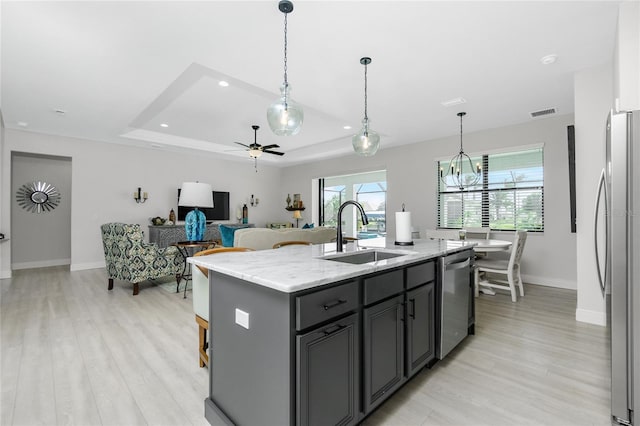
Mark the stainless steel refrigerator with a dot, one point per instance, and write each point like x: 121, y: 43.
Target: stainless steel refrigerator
x: 617, y: 245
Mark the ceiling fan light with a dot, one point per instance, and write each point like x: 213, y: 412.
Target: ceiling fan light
x: 366, y: 142
x: 285, y: 116
x: 255, y: 153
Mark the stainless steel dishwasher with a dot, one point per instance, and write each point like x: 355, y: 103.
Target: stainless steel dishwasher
x: 455, y: 271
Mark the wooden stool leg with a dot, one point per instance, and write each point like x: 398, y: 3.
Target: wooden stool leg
x: 203, y: 326
x: 136, y: 289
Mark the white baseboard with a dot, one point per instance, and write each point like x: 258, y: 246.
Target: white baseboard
x: 591, y: 317
x: 40, y: 264
x: 88, y: 265
x: 5, y: 274
x: 550, y: 282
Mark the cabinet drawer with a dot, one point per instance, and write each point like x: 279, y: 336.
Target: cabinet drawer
x: 323, y: 305
x: 421, y: 274
x: 382, y: 286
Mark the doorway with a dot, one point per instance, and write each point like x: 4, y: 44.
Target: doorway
x: 40, y: 238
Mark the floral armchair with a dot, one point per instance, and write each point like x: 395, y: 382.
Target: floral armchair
x: 129, y: 258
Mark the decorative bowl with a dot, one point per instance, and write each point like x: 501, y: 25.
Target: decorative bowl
x: 158, y: 220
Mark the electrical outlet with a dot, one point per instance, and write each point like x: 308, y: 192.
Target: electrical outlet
x: 242, y: 318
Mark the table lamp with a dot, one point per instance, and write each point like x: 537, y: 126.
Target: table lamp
x: 195, y: 194
x: 297, y: 216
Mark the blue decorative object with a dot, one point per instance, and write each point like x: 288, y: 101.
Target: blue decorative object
x: 195, y: 223
x: 226, y: 233
x: 308, y: 226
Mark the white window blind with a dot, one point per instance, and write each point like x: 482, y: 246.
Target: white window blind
x: 510, y: 195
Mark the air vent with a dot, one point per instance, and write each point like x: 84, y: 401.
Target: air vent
x: 542, y: 112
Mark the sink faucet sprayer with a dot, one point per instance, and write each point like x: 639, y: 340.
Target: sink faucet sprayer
x: 365, y: 221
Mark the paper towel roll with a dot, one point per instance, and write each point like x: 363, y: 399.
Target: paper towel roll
x: 403, y: 227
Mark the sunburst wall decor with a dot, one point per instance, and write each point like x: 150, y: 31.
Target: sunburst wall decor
x: 38, y: 197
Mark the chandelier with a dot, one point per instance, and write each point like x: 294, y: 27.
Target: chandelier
x: 461, y: 173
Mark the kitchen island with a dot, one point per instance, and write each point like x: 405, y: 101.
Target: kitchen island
x: 304, y: 335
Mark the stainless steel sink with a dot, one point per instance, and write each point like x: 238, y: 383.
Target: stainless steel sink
x: 362, y: 257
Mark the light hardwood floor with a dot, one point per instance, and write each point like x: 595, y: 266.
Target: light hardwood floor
x: 75, y: 353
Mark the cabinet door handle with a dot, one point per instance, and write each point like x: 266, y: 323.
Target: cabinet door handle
x: 338, y: 302
x: 413, y: 308
x: 337, y: 328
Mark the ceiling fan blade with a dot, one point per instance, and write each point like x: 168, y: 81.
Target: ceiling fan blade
x: 270, y: 146
x: 239, y: 143
x: 273, y: 152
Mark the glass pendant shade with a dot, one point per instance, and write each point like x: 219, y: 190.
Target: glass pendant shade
x: 366, y: 141
x: 285, y: 116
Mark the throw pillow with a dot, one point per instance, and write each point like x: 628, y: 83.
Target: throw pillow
x: 226, y: 232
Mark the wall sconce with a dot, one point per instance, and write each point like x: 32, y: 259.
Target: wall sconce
x: 254, y: 201
x: 139, y: 196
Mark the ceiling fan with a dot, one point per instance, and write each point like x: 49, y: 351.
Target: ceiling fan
x: 256, y: 150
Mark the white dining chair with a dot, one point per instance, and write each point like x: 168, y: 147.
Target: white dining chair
x: 478, y: 233
x: 510, y: 268
x: 442, y: 234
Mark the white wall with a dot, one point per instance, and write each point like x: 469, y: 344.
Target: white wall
x: 593, y: 100
x: 41, y: 239
x: 549, y: 257
x: 104, y: 177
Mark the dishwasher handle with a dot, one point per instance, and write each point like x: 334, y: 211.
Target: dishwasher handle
x: 457, y: 265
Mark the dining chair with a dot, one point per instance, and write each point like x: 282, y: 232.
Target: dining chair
x: 291, y: 243
x: 442, y: 234
x: 478, y: 233
x: 510, y: 268
x: 200, y: 282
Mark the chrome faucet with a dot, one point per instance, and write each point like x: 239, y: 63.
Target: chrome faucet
x: 365, y: 221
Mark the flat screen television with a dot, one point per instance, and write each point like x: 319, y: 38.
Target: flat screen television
x: 219, y: 211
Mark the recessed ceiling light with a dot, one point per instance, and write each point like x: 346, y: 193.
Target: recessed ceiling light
x: 453, y: 102
x: 347, y: 127
x: 549, y: 59
x: 164, y: 125
x: 223, y: 83
x: 22, y: 123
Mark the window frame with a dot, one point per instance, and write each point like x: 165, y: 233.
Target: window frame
x: 485, y: 189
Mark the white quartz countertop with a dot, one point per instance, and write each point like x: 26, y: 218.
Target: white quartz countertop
x: 297, y: 267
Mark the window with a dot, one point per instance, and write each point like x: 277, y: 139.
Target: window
x: 510, y: 195
x: 368, y: 189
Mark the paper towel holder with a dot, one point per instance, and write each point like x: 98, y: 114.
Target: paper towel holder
x: 402, y: 243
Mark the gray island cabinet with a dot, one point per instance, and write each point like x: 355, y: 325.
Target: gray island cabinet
x: 297, y: 339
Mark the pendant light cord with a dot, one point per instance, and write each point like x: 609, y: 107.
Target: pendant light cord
x: 285, y: 48
x: 461, y: 151
x: 365, y: 92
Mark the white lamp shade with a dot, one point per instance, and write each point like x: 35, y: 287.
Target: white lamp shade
x: 196, y: 194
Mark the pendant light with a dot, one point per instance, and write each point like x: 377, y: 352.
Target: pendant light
x: 366, y: 141
x: 284, y: 115
x: 461, y: 173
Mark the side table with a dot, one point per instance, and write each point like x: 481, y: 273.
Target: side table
x: 187, y: 249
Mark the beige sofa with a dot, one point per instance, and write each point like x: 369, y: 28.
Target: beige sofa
x: 264, y: 238
x: 257, y: 239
